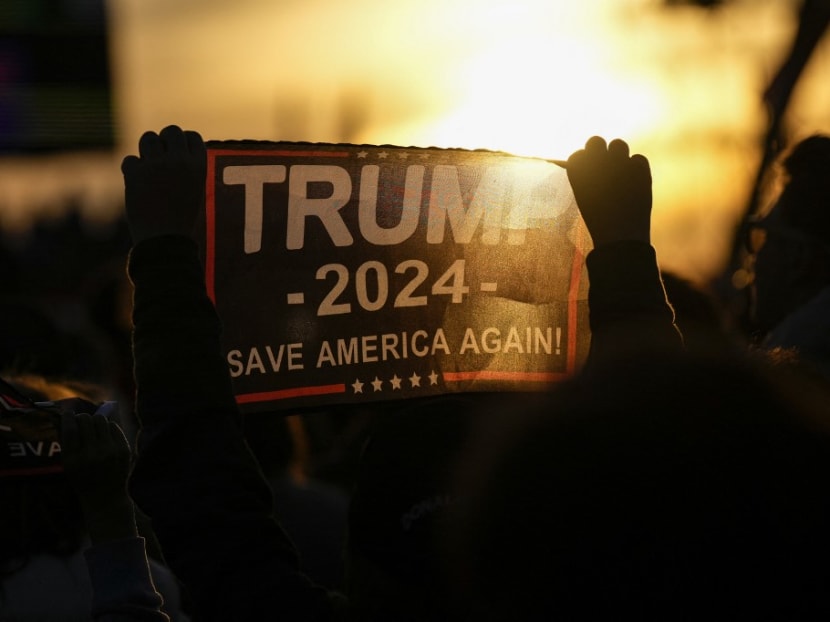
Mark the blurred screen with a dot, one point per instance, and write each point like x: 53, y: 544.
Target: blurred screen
x: 55, y: 84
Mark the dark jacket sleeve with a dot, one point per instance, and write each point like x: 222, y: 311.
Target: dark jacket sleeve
x: 627, y: 303
x: 122, y: 587
x: 211, y: 508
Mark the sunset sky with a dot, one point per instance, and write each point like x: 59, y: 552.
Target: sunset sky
x: 682, y: 85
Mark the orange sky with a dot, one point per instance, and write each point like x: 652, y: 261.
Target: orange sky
x: 528, y: 77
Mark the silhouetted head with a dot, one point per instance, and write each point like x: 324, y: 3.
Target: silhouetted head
x: 697, y: 314
x: 670, y: 487
x: 791, y: 243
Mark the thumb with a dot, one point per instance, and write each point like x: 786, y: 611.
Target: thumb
x: 641, y: 164
x: 70, y: 435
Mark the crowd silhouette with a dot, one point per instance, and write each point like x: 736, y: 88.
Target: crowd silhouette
x: 679, y: 474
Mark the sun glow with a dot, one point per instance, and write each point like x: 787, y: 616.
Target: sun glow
x: 534, y: 85
x: 521, y: 99
x: 529, y: 77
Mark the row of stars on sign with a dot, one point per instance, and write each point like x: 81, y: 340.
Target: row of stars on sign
x: 401, y: 155
x: 395, y: 382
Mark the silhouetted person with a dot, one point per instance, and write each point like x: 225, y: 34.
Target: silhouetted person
x: 790, y: 303
x: 312, y: 511
x: 677, y: 486
x: 698, y: 315
x: 96, y: 458
x: 628, y: 309
x: 659, y: 483
x: 69, y: 545
x: 195, y: 475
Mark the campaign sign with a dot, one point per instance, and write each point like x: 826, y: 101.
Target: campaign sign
x: 351, y: 274
x: 29, y: 443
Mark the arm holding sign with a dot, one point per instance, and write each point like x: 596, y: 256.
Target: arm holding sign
x: 627, y: 302
x: 195, y: 477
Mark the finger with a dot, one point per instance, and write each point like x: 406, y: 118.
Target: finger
x: 574, y: 160
x: 129, y: 164
x: 174, y: 139
x: 640, y: 162
x: 108, y: 409
x: 86, y: 433
x: 117, y: 435
x: 595, y: 144
x: 84, y: 423
x: 70, y: 435
x: 618, y: 148
x: 150, y: 144
x: 574, y: 168
x: 101, y: 428
x: 194, y: 142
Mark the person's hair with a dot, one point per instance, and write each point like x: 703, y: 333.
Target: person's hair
x: 279, y: 444
x: 697, y: 313
x: 807, y: 185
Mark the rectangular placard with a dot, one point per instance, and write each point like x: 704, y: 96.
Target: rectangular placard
x: 347, y: 274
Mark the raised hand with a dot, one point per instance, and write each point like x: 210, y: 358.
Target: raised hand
x: 165, y: 183
x: 612, y: 190
x: 96, y: 459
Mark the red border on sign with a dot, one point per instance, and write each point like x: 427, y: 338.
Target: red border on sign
x: 44, y: 470
x: 284, y: 394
